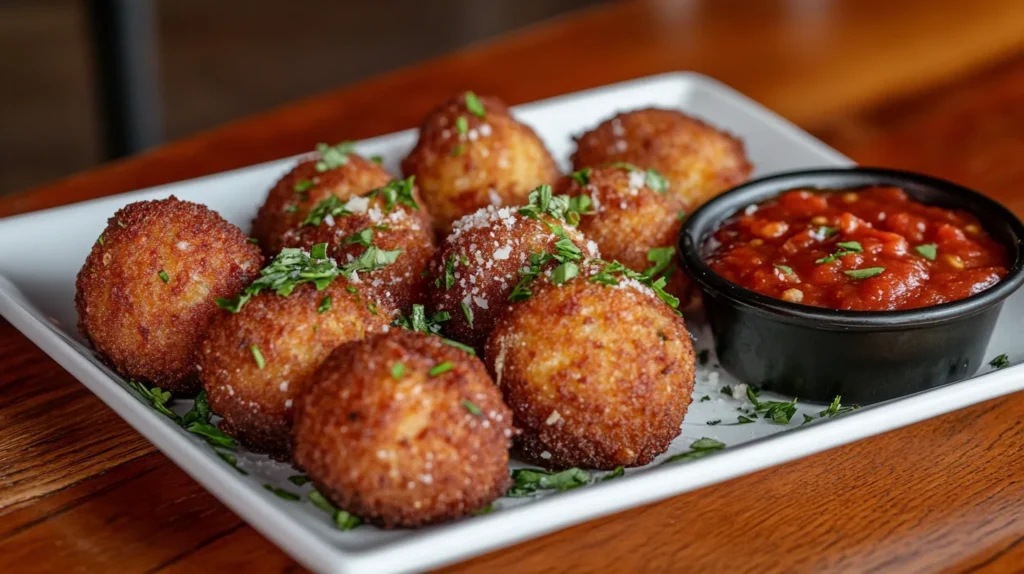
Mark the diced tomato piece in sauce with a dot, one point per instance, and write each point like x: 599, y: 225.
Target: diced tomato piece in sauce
x: 869, y: 249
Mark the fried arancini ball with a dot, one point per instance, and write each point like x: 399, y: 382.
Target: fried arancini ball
x: 628, y: 219
x: 472, y: 153
x: 476, y: 267
x: 698, y: 160
x: 597, y: 376
x: 295, y: 194
x: 148, y: 288
x: 389, y: 226
x: 404, y: 430
x: 255, y: 363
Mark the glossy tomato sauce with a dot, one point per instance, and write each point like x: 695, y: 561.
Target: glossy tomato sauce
x: 869, y: 249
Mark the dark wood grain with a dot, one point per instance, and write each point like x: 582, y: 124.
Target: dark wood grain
x: 82, y: 491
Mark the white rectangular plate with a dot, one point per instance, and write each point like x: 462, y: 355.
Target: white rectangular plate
x: 43, y: 252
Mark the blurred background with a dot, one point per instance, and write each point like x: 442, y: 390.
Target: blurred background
x: 89, y: 80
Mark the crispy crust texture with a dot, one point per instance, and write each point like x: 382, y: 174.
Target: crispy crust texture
x: 489, y: 248
x: 596, y: 376
x: 497, y: 161
x: 144, y: 327
x: 629, y: 219
x: 404, y: 450
x: 293, y: 339
x: 285, y: 207
x: 699, y: 160
x: 397, y: 286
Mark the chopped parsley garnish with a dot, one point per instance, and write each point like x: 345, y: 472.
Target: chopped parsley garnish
x: 291, y: 208
x: 661, y: 258
x: 485, y: 510
x: 293, y: 267
x: 705, y: 399
x: 441, y: 368
x: 448, y: 276
x: 332, y: 157
x: 343, y: 519
x: 232, y: 460
x: 352, y: 290
x: 120, y: 223
x: 743, y: 420
x: 164, y: 277
x: 303, y: 185
x: 864, y: 273
x: 779, y: 412
x: 607, y: 277
x: 157, y: 397
x: 371, y: 307
x: 457, y: 150
x: 377, y: 159
x: 364, y: 238
x: 473, y: 409
x: 835, y: 409
x: 652, y: 178
x: 257, y: 356
x: 397, y: 371
x: 714, y: 422
x: 785, y: 269
x: 726, y: 390
x: 581, y: 176
x: 418, y: 320
x: 200, y: 411
x: 395, y: 192
x: 212, y: 434
x: 929, y: 251
x: 563, y: 207
x: 461, y: 125
x: 681, y: 215
x: 656, y: 181
x: 99, y: 240
x: 458, y: 345
x: 1000, y: 362
x: 282, y: 493
x: 528, y: 481
x: 298, y: 479
x: 564, y: 273
x: 844, y: 248
x: 474, y: 105
x: 330, y: 205
x: 195, y: 421
x: 468, y: 312
x: 698, y: 449
x: 566, y: 252
x: 619, y: 471
x: 253, y: 240
x: 325, y: 305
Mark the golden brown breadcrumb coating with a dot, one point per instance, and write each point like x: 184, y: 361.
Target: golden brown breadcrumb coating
x: 597, y: 376
x: 698, y: 160
x: 291, y: 198
x: 404, y: 430
x: 478, y: 264
x: 628, y: 219
x: 396, y: 227
x: 495, y: 160
x: 256, y: 363
x: 148, y: 288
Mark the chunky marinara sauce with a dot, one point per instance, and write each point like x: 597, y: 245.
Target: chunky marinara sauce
x: 870, y: 249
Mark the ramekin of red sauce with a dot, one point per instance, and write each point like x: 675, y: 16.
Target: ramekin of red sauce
x: 868, y: 249
x: 865, y: 283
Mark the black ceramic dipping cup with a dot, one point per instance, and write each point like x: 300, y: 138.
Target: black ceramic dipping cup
x: 815, y: 353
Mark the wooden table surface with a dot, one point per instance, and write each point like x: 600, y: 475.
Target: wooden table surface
x: 927, y: 85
